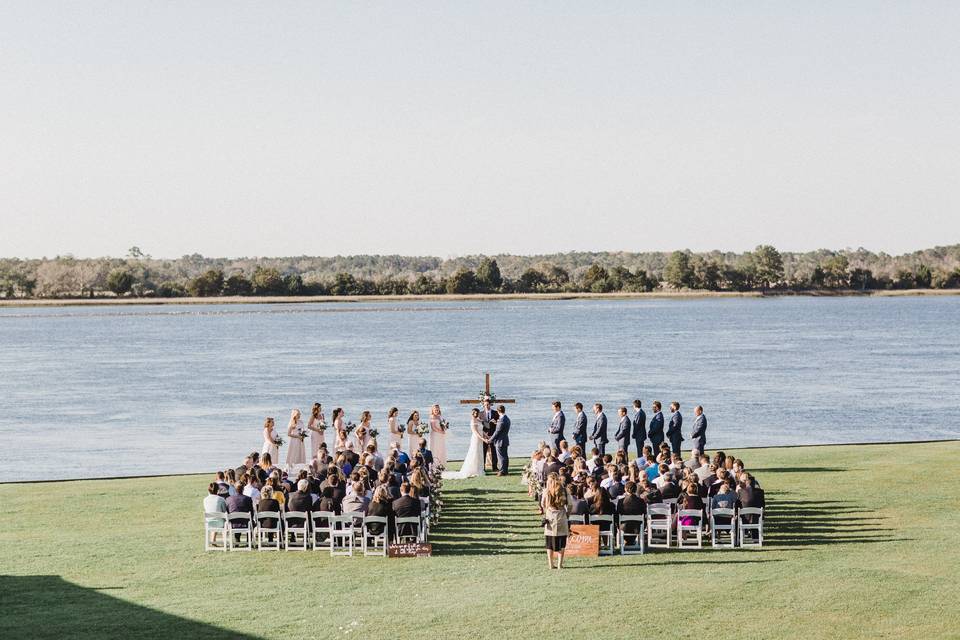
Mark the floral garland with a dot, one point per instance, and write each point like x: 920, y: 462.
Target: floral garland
x: 484, y: 396
x: 435, y: 478
x: 529, y: 477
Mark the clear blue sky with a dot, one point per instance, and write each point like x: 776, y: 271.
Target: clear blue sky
x: 279, y: 128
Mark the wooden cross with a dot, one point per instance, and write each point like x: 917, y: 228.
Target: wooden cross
x: 488, y: 394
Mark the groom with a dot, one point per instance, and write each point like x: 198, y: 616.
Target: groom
x: 488, y: 420
x: 500, y: 440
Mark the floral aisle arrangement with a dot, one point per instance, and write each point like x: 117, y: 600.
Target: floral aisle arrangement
x: 436, y: 493
x: 529, y: 477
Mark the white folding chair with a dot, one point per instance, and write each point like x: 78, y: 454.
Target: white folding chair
x: 264, y: 533
x: 341, y: 538
x: 374, y: 544
x: 659, y: 521
x: 401, y: 534
x: 296, y: 534
x: 639, y: 546
x: 322, y: 527
x: 240, y: 531
x: 214, y: 523
x: 357, y: 527
x: 746, y: 540
x: 425, y: 517
x: 607, y: 536
x: 576, y: 518
x: 717, y: 528
x: 695, y: 529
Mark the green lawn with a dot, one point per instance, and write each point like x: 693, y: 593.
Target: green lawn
x: 861, y: 542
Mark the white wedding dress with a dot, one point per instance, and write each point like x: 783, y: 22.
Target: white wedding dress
x: 473, y: 461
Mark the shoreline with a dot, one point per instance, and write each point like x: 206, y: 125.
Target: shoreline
x: 476, y: 297
x: 786, y: 446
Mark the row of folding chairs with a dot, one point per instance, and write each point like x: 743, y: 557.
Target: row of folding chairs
x: 342, y: 534
x: 661, y: 527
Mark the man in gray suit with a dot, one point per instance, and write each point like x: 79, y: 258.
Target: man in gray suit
x: 501, y: 440
x: 699, y: 437
x: 673, y: 431
x: 624, y: 429
x: 639, y: 427
x: 599, y: 434
x: 556, y: 425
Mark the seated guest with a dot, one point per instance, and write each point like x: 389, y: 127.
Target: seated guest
x: 750, y: 496
x: 580, y: 507
x: 214, y: 503
x: 357, y: 501
x: 564, y: 451
x: 650, y: 493
x: 642, y: 460
x: 721, y: 477
x: 653, y: 469
x: 223, y: 489
x: 676, y: 463
x: 725, y: 498
x: 594, y: 461
x: 711, y: 476
x: 239, y: 503
x: 720, y: 459
x: 668, y: 488
x: 425, y: 454
x: 406, y: 506
x: 245, y: 467
x: 601, y: 505
x: 352, y: 456
x: 615, y: 486
x: 266, y: 464
x: 334, y: 490
x: 704, y: 471
x: 579, y: 473
x: 620, y: 457
x: 664, y: 476
x: 343, y: 464
x: 592, y: 488
x: 380, y: 506
x: 251, y: 487
x: 552, y: 465
x: 692, y: 500
x: 632, y: 505
x: 268, y: 503
x: 693, y: 462
x: 300, y: 500
x: 378, y: 460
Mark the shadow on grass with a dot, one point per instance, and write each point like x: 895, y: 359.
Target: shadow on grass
x: 806, y: 523
x: 51, y: 607
x: 488, y: 521
x: 664, y: 562
x: 801, y: 470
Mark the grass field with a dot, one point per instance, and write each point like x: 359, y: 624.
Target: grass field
x: 861, y: 542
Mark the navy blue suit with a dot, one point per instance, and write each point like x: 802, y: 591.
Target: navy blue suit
x: 500, y: 441
x: 599, y: 434
x: 639, y: 430
x: 556, y: 428
x: 673, y: 432
x: 655, y: 433
x: 580, y: 431
x: 622, y: 435
x: 698, y: 439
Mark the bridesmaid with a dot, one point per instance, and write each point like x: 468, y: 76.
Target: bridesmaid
x: 296, y: 452
x: 270, y: 441
x: 316, y: 426
x: 413, y: 438
x: 438, y: 436
x: 396, y: 433
x: 362, y: 432
x: 341, y: 437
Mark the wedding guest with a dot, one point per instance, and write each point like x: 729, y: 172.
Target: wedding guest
x: 655, y: 432
x: 393, y: 427
x: 620, y: 457
x: 214, y: 503
x: 270, y: 446
x: 653, y: 469
x: 698, y: 439
x: 668, y: 488
x: 602, y: 505
x: 223, y: 489
x: 334, y: 490
x: 631, y: 505
x: 639, y: 427
x: 594, y: 462
x: 425, y: 454
x: 269, y: 503
x: 557, y: 423
x: 556, y: 506
x: 251, y: 487
x: 378, y: 460
x: 239, y: 503
x: 693, y: 462
x: 579, y: 506
x: 406, y: 506
x: 316, y: 426
x: 357, y: 501
x: 351, y: 456
x: 719, y: 459
x: 749, y: 495
x: 674, y: 433
x: 725, y: 498
x: 649, y: 492
x: 580, y: 426
x: 413, y: 435
x: 300, y: 500
x: 705, y: 470
x: 296, y: 451
x: 624, y: 429
x: 438, y: 436
x: 599, y: 433
x: 692, y: 500
x: 381, y: 507
x: 339, y: 430
x: 564, y: 451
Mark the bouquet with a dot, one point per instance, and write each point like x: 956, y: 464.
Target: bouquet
x: 277, y: 440
x: 373, y: 434
x: 444, y: 425
x: 322, y: 425
x: 421, y: 429
x: 302, y: 434
x: 349, y: 427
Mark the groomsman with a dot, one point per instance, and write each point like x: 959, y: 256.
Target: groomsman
x: 698, y: 439
x: 656, y: 427
x: 639, y: 427
x: 556, y: 425
x: 599, y: 433
x: 673, y: 431
x: 580, y: 428
x: 623, y: 431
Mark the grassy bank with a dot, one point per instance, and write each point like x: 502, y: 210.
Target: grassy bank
x: 652, y: 295
x: 861, y: 543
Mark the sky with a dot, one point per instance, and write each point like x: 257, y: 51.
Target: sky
x: 450, y: 128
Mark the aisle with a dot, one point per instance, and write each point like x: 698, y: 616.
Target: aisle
x: 484, y: 516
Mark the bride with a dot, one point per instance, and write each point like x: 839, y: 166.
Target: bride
x: 473, y: 461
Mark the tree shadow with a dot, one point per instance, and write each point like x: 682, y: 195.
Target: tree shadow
x: 486, y: 521
x: 756, y: 471
x: 51, y: 607
x: 806, y: 523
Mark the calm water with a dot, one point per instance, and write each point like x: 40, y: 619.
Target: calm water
x: 89, y: 392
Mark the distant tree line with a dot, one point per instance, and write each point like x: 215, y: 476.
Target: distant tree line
x: 764, y: 269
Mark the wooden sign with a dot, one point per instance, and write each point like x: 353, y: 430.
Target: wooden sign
x: 410, y: 550
x: 583, y: 541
